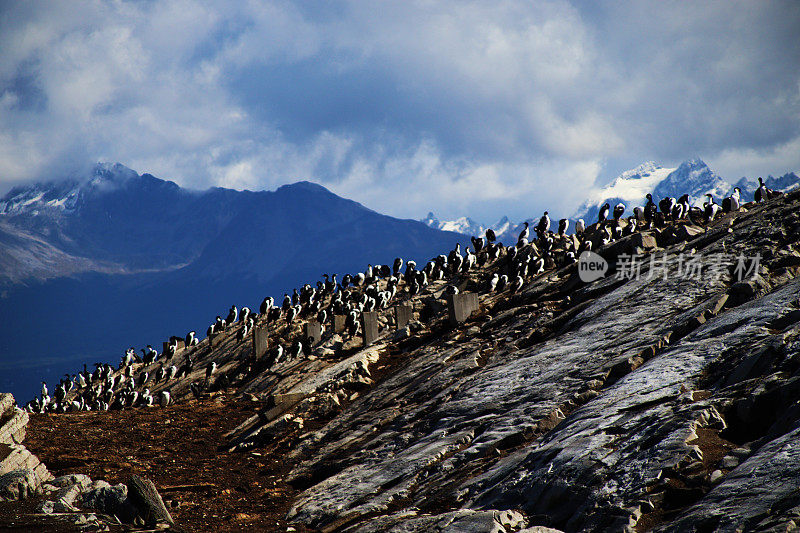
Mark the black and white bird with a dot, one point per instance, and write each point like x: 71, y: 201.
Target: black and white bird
x: 191, y: 339
x: 762, y: 193
x: 537, y: 267
x: 544, y: 224
x: 619, y: 210
x: 490, y: 236
x: 563, y: 226
x: 524, y: 234
x: 732, y: 202
x: 297, y: 349
x: 165, y: 398
x: 602, y: 215
x: 493, y: 282
x: 630, y: 229
x: 266, y: 305
x: 650, y: 208
x: 210, y: 369
x: 279, y: 353
x: 233, y: 314
x: 501, y: 285
x: 517, y: 284
x: 710, y: 208
x: 580, y: 226
x: 666, y: 205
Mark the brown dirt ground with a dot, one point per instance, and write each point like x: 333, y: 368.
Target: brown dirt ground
x: 175, y: 447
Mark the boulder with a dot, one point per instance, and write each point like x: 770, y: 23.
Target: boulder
x: 145, y: 496
x: 18, y: 485
x: 112, y: 500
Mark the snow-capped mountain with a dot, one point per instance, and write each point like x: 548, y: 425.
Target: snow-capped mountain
x: 463, y: 225
x: 630, y: 188
x: 64, y: 196
x: 692, y: 177
x: 505, y: 230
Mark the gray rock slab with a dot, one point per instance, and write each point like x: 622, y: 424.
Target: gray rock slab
x: 461, y: 521
x: 515, y: 392
x: 759, y: 494
x: 590, y: 471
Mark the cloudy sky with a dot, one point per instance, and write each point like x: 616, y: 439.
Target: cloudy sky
x: 482, y: 108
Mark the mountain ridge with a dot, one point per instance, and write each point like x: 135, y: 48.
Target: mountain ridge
x: 693, y: 177
x: 133, y: 253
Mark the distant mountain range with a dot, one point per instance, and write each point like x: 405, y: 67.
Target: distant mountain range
x: 692, y: 177
x: 91, y: 265
x: 118, y: 222
x: 467, y: 226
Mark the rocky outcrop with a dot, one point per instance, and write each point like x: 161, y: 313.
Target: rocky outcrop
x: 604, y: 406
x: 21, y: 472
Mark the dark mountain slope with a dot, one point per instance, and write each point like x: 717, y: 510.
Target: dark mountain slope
x: 123, y: 259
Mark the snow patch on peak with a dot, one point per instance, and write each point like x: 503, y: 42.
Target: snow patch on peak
x: 63, y: 196
x: 463, y: 225
x: 502, y: 226
x: 468, y: 226
x: 692, y: 177
x: 108, y: 176
x: 630, y: 188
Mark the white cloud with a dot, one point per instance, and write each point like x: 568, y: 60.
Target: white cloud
x: 483, y: 108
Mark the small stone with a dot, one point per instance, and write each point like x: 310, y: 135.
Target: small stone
x: 716, y: 475
x: 730, y: 462
x: 46, y: 507
x: 741, y: 452
x: 510, y: 519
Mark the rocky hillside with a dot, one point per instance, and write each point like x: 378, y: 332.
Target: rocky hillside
x: 662, y: 395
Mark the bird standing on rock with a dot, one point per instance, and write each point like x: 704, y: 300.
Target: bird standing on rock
x: 524, y: 234
x: 543, y: 225
x: 710, y: 208
x: 603, y: 214
x: 731, y: 203
x: 210, y: 369
x: 762, y: 193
